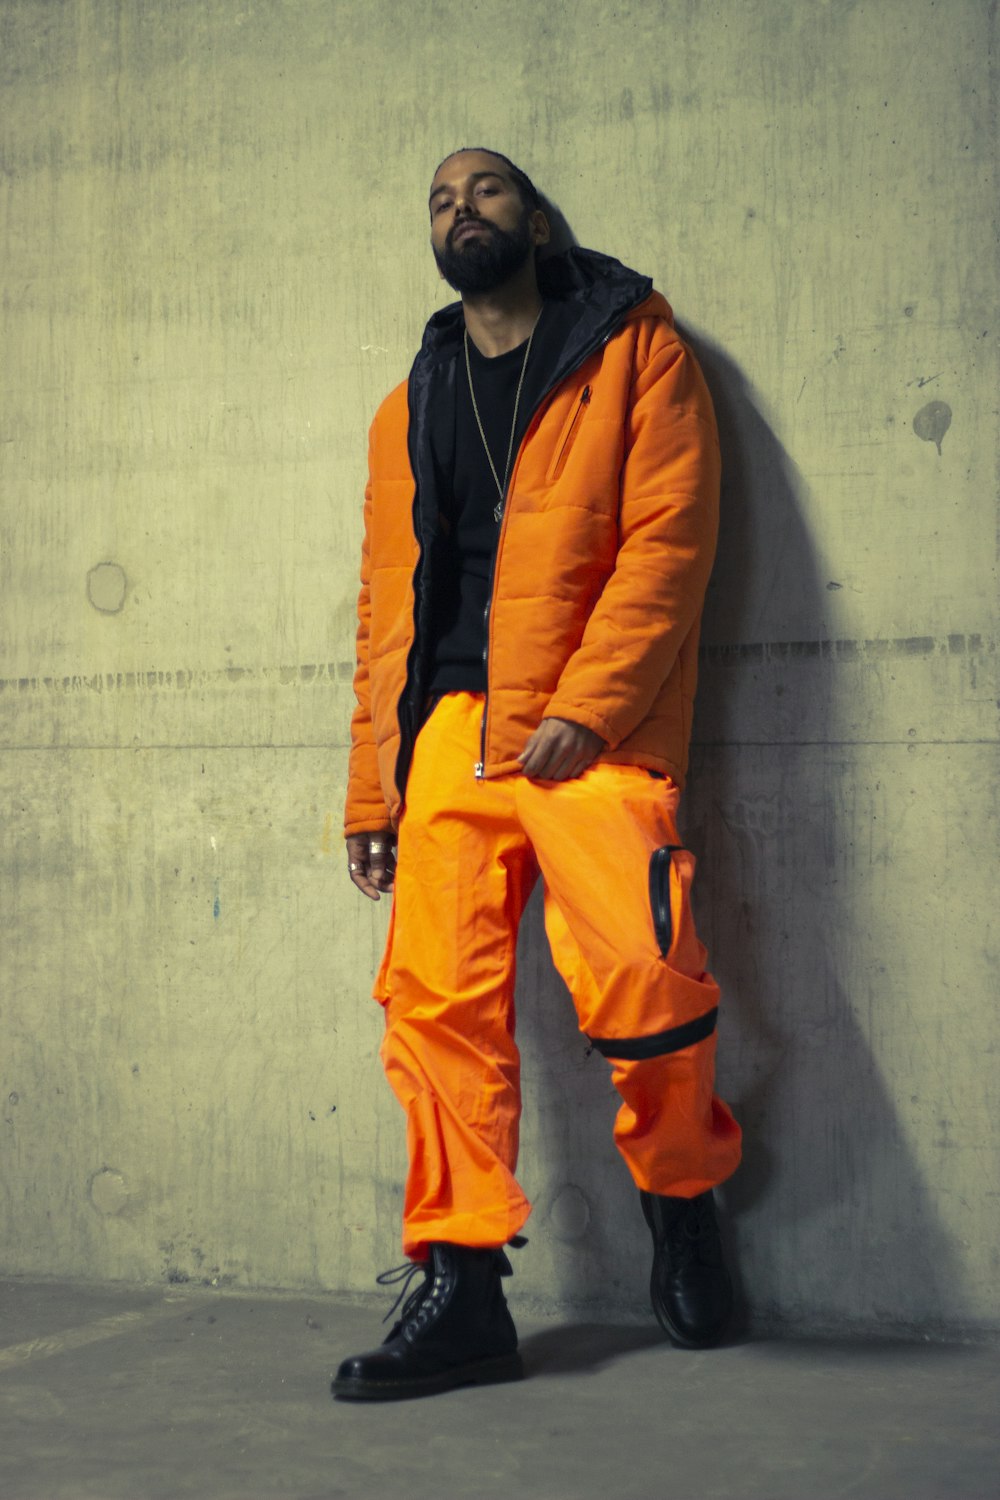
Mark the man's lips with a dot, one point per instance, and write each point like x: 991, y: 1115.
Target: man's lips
x: 464, y: 231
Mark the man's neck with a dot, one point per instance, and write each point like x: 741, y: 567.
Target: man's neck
x: 500, y: 320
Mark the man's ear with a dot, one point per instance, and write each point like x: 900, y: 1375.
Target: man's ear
x: 540, y: 231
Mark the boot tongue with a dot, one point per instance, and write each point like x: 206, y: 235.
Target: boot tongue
x: 442, y: 1259
x: 445, y: 1258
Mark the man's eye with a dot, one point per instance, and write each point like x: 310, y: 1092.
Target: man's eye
x: 442, y: 203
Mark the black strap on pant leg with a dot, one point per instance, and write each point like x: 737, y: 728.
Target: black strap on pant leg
x: 638, y: 1048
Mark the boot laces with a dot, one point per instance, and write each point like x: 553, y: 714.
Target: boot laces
x: 406, y: 1274
x: 415, y: 1307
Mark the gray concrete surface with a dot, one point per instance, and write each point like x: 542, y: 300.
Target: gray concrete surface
x: 148, y: 1394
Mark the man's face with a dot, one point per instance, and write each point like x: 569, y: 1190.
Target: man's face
x: 481, y: 231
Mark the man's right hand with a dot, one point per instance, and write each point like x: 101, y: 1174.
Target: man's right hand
x: 371, y: 861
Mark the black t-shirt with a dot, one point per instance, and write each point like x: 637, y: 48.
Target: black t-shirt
x: 469, y: 496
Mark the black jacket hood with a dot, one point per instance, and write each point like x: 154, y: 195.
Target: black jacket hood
x: 597, y: 286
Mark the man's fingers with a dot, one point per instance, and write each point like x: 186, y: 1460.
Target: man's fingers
x: 371, y: 862
x: 358, y: 872
x: 542, y: 752
x: 382, y: 872
x: 559, y: 766
x: 536, y: 757
x: 381, y: 862
x: 559, y: 750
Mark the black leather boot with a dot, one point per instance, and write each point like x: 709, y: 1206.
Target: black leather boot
x: 690, y: 1288
x: 455, y: 1329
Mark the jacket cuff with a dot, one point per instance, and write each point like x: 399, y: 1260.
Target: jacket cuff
x: 578, y: 714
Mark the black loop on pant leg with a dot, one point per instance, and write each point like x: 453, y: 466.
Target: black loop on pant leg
x: 659, y: 894
x: 638, y: 1048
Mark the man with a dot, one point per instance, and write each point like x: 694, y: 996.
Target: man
x: 540, y: 523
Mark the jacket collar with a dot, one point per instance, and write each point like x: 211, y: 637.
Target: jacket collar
x: 601, y: 290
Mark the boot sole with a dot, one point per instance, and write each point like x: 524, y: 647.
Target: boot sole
x: 483, y: 1372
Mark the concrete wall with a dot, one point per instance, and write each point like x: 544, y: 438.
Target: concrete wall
x: 214, y: 263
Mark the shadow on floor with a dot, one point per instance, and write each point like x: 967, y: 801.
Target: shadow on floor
x: 581, y: 1348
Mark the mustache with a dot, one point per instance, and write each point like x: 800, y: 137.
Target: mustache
x: 480, y: 223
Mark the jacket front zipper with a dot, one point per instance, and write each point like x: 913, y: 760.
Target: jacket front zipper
x: 584, y: 400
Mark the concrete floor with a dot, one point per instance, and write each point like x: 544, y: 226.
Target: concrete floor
x: 149, y: 1393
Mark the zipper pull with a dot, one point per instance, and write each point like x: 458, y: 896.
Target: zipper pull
x: 479, y: 770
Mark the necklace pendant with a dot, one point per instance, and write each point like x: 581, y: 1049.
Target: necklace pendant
x: 498, y: 512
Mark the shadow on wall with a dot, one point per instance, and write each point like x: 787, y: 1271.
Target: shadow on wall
x: 832, y: 1222
x: 764, y: 586
x: 832, y: 1206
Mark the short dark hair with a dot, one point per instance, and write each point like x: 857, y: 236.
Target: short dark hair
x: 530, y: 196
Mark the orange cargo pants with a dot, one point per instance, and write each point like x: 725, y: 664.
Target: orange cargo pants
x: 618, y: 919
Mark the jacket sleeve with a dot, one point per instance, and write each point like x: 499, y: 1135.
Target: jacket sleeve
x: 365, y: 810
x: 668, y: 525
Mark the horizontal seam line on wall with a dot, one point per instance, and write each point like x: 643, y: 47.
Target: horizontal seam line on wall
x: 774, y: 744
x: 185, y: 745
x: 342, y: 673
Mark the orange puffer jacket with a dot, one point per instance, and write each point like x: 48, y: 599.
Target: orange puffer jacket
x: 603, y: 554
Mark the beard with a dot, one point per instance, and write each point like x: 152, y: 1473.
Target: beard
x: 484, y: 263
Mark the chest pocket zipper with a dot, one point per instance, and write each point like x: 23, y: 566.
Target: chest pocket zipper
x: 567, y: 441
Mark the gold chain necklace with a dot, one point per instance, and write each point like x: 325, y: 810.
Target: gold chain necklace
x: 501, y: 488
